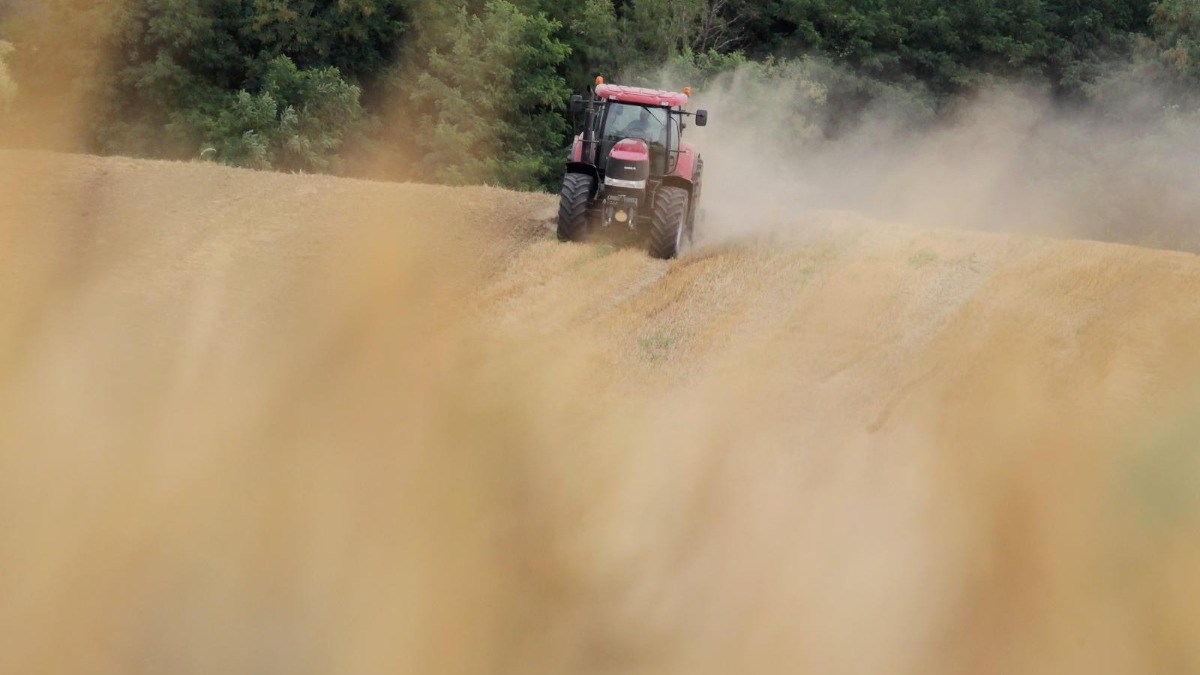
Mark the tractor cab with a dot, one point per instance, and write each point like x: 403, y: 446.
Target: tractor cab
x: 631, y: 161
x: 651, y: 125
x: 648, y: 115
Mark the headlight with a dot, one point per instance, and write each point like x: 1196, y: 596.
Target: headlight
x: 631, y: 184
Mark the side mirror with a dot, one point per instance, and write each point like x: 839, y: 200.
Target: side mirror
x: 701, y: 118
x: 576, y: 105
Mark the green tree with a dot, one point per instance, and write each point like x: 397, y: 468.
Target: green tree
x: 180, y: 73
x: 1163, y: 77
x: 589, y: 29
x: 298, y: 119
x: 954, y: 46
x: 655, y: 31
x: 946, y: 44
x: 1089, y: 37
x: 1176, y: 37
x: 488, y: 99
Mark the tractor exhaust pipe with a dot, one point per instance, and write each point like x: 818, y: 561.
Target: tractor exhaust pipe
x: 589, y: 129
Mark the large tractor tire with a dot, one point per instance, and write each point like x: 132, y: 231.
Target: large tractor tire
x: 572, y: 207
x: 668, y: 222
x: 694, y: 204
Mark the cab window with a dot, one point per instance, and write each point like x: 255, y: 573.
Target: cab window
x: 625, y: 120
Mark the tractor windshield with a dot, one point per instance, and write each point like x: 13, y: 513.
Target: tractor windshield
x: 629, y: 120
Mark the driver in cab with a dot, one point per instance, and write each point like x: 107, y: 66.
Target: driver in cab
x: 645, y: 127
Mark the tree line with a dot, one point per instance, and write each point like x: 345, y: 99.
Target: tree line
x: 469, y: 91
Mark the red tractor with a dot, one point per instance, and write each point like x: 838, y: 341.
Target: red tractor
x: 630, y: 168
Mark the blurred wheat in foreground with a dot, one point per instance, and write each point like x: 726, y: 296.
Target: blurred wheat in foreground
x: 261, y: 423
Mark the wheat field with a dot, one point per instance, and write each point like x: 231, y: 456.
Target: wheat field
x: 267, y: 423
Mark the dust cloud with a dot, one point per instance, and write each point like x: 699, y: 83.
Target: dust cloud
x: 1006, y: 160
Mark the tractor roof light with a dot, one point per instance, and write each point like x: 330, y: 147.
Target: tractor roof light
x: 687, y: 91
x: 599, y: 80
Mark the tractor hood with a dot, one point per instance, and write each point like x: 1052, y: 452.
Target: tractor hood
x: 628, y: 165
x: 631, y: 150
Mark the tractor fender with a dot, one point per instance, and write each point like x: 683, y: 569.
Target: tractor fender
x: 676, y: 181
x: 589, y: 170
x: 577, y: 149
x: 583, y: 167
x: 685, y: 163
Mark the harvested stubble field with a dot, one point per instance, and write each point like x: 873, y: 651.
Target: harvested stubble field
x: 266, y: 423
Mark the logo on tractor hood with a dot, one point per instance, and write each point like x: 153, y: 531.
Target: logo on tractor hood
x: 631, y: 150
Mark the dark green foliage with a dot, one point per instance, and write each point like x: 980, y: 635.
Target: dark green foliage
x: 265, y: 83
x: 1176, y: 43
x: 298, y: 119
x: 474, y: 90
x: 589, y: 29
x: 952, y: 46
x: 488, y: 99
x: 269, y: 83
x: 1161, y: 78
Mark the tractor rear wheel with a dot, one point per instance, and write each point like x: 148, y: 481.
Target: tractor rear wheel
x: 572, y: 206
x: 668, y: 222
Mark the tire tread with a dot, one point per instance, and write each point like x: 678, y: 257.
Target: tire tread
x: 670, y: 207
x: 572, y: 207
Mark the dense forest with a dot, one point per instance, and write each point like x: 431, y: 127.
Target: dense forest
x: 469, y: 91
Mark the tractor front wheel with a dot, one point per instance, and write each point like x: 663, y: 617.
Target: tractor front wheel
x: 572, y: 207
x: 668, y: 222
